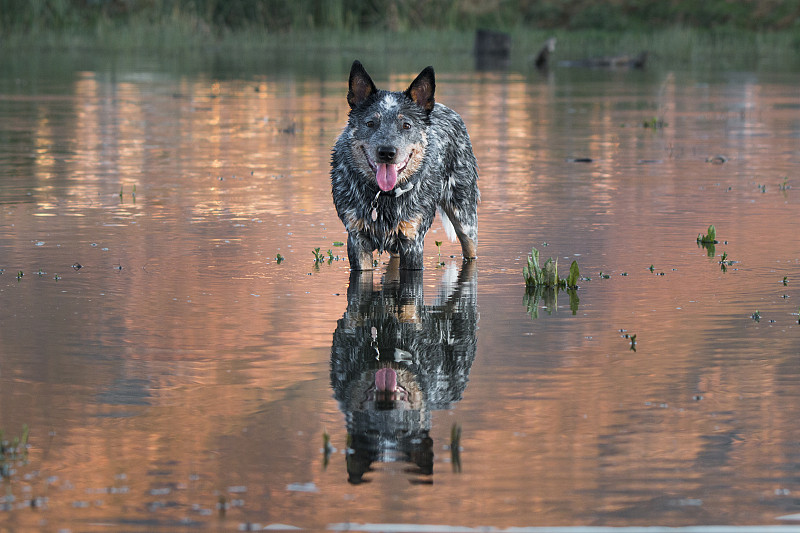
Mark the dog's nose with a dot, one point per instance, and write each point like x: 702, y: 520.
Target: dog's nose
x: 386, y: 154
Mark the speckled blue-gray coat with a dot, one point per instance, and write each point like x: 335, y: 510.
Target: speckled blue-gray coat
x: 400, y: 157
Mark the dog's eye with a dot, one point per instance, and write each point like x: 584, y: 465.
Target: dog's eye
x: 370, y: 123
x: 406, y: 125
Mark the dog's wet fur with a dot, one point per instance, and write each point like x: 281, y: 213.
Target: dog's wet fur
x: 400, y: 157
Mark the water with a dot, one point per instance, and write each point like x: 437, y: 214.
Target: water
x: 175, y: 374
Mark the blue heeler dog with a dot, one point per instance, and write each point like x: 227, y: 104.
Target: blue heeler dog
x: 400, y: 157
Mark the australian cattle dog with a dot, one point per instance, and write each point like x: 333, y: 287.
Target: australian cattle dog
x: 400, y: 157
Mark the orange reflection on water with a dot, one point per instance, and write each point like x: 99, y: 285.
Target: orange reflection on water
x: 181, y: 368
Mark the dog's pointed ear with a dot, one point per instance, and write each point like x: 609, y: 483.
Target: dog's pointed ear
x: 360, y: 85
x: 422, y: 88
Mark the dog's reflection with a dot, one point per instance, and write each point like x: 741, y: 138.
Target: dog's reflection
x: 395, y: 359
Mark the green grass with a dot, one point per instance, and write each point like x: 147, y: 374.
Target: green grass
x: 181, y: 32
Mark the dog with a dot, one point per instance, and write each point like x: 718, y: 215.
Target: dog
x: 400, y: 157
x: 395, y: 360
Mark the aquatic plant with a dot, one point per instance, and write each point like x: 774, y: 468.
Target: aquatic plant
x: 331, y: 257
x: 756, y: 316
x: 724, y: 262
x: 13, y: 452
x: 708, y: 241
x: 631, y: 338
x: 455, y: 447
x: 654, y: 123
x: 279, y: 258
x: 318, y: 257
x: 543, y: 283
x: 327, y: 449
x: 710, y: 237
x: 547, y: 275
x: 439, y: 261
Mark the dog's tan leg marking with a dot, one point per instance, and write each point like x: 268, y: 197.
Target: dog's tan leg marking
x: 409, y: 227
x: 468, y: 248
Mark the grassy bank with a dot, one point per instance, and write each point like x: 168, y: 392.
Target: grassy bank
x: 736, y: 33
x: 675, y: 45
x: 406, y: 15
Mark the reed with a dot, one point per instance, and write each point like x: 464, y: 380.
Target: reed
x: 716, y: 32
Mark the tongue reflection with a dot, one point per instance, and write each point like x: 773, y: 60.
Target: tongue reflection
x: 386, y: 380
x: 386, y: 176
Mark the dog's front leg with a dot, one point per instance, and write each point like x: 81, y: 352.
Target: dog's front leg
x: 358, y: 253
x: 411, y: 257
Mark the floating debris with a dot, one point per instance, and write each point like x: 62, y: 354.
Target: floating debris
x: 302, y: 487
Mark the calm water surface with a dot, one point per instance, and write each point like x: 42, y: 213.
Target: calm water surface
x: 175, y: 374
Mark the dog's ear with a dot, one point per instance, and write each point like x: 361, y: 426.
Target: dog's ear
x: 422, y: 88
x: 360, y: 85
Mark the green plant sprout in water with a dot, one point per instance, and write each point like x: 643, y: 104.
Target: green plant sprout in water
x: 13, y: 453
x: 654, y: 123
x: 327, y: 449
x: 710, y: 237
x: 724, y: 262
x: 279, y: 258
x: 439, y: 261
x: 543, y: 283
x: 319, y: 257
x: 708, y: 241
x: 631, y: 338
x: 756, y: 316
x: 547, y: 274
x: 455, y: 447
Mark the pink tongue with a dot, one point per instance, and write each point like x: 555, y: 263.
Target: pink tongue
x: 386, y: 176
x: 386, y: 380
